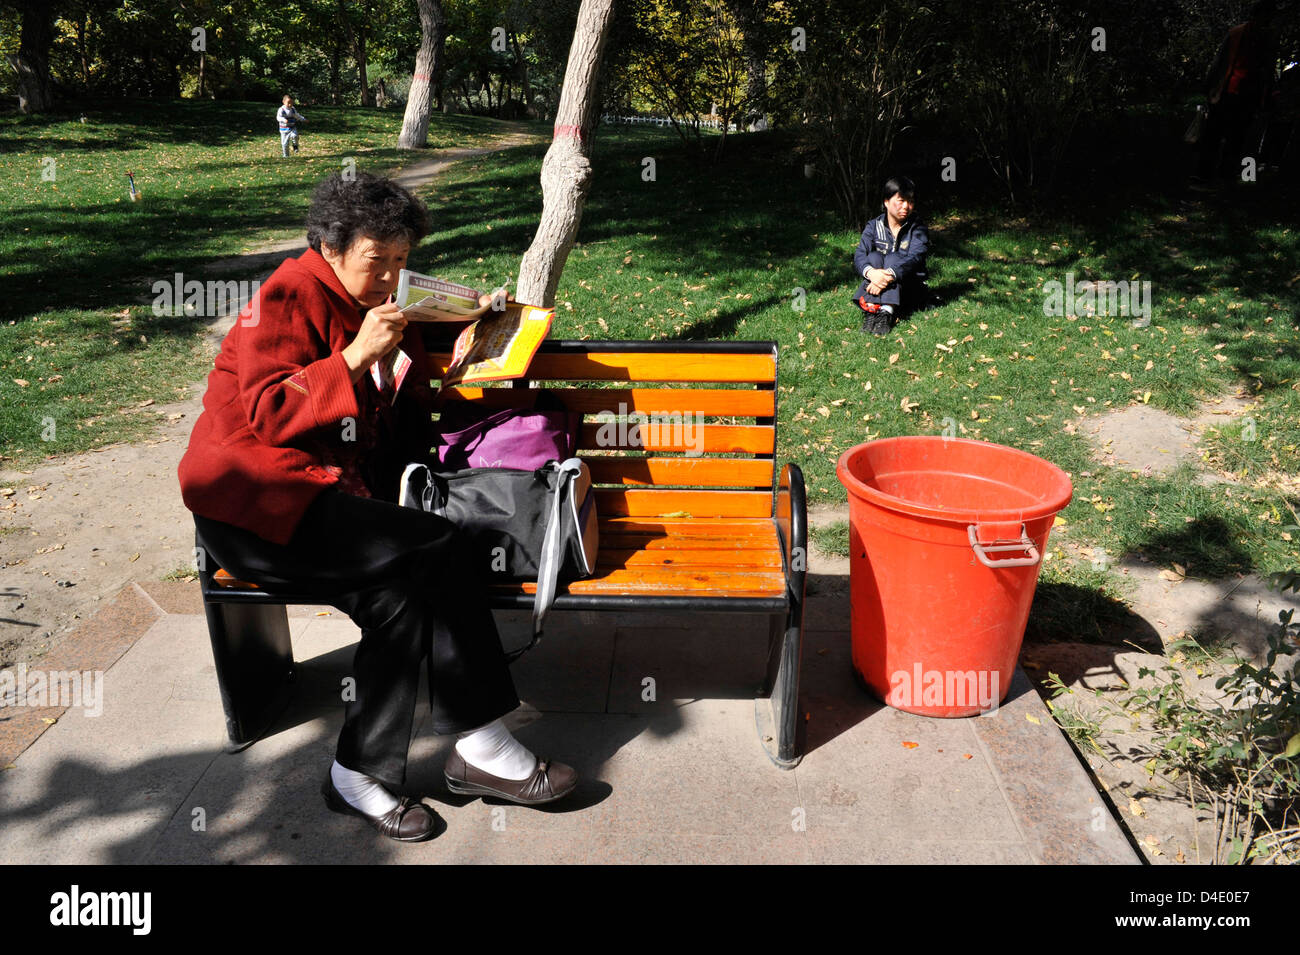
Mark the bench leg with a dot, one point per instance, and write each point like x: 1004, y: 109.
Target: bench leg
x: 776, y: 712
x: 254, y: 659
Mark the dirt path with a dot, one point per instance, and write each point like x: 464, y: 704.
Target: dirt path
x: 75, y: 531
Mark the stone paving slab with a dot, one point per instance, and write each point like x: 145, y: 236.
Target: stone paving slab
x: 677, y: 778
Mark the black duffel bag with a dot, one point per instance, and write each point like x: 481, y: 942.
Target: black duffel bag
x: 527, y: 525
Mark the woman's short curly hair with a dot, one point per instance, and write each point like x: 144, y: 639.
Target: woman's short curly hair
x: 344, y: 209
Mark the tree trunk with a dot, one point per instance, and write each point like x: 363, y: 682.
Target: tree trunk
x: 32, y: 61
x: 526, y: 92
x: 336, y: 83
x: 356, y: 39
x: 81, y: 49
x: 359, y: 48
x: 238, y: 56
x: 749, y: 17
x: 428, y: 65
x: 566, y: 170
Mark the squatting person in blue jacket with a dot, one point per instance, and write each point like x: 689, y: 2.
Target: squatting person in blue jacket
x: 891, y: 259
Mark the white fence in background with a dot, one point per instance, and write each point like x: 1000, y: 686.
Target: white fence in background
x: 664, y: 121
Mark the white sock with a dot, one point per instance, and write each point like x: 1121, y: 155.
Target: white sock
x: 362, y: 792
x: 493, y: 750
x: 887, y: 309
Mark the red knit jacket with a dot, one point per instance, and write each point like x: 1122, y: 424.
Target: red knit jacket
x: 273, y: 434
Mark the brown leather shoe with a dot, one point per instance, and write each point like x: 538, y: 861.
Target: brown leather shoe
x: 406, y: 822
x: 549, y: 782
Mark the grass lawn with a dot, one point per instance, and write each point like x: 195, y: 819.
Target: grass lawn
x: 719, y: 252
x: 80, y: 347
x: 728, y: 251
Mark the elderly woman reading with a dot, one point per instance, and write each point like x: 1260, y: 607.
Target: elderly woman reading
x: 292, y: 474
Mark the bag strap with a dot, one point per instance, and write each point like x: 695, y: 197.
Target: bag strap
x: 548, y: 566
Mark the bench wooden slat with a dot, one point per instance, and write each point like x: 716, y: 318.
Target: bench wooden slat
x: 642, y: 366
x: 730, y: 403
x: 707, y: 542
x: 695, y: 581
x: 648, y: 502
x: 687, y: 528
x: 706, y: 438
x: 616, y: 541
x: 699, y: 472
x: 615, y: 557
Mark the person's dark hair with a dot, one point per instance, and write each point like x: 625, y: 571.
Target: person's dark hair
x: 1262, y: 10
x: 898, y: 185
x: 346, y: 209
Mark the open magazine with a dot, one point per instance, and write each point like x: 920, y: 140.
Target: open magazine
x: 423, y: 298
x: 499, y: 346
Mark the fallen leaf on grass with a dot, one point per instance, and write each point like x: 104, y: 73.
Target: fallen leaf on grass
x: 21, y: 382
x: 893, y: 358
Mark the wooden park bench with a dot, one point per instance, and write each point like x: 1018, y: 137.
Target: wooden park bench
x: 694, y: 516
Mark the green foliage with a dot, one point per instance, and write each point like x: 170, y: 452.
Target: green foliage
x: 688, y: 62
x: 865, y: 69
x: 1021, y: 105
x: 1244, y: 747
x: 1085, y: 730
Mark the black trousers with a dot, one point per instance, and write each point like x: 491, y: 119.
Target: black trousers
x: 407, y: 580
x: 1226, y: 126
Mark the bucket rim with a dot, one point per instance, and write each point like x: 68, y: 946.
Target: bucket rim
x: 1054, y: 504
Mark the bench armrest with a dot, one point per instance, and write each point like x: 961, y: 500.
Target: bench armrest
x: 791, y: 516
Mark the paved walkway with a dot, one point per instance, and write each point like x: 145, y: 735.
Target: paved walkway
x: 679, y: 779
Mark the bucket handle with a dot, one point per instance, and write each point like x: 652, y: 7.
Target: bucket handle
x: 998, y: 546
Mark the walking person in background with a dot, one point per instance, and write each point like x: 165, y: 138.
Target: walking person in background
x: 1238, y: 87
x: 288, y: 118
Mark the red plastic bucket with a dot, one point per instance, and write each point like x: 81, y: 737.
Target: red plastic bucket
x: 946, y: 539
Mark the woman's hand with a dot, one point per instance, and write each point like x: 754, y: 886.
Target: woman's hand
x: 490, y: 298
x: 379, y: 334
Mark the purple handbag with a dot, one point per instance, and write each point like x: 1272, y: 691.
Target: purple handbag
x: 512, y: 438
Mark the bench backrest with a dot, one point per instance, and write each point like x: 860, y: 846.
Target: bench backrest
x: 669, y: 428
